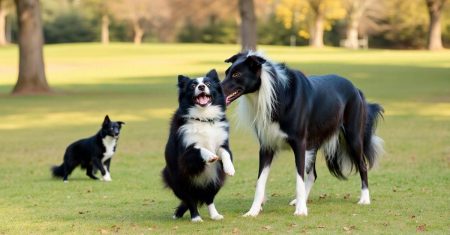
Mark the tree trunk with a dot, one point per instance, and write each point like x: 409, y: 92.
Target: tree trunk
x: 31, y: 60
x: 434, y: 33
x: 352, y: 34
x: 3, y: 14
x: 105, y: 29
x: 316, y: 39
x: 248, y: 24
x: 138, y: 33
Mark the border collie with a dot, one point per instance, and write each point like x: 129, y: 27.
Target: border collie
x: 288, y: 109
x: 197, y: 152
x: 93, y: 153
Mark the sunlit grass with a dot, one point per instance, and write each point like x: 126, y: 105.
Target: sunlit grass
x: 137, y: 85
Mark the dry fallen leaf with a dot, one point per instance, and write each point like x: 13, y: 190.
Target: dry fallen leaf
x: 235, y: 231
x: 267, y: 227
x: 421, y: 228
x: 103, y: 231
x: 320, y: 226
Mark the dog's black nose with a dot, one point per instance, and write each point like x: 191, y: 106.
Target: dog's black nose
x: 201, y: 87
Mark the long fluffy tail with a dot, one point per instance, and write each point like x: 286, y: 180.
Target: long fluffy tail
x: 336, y: 149
x: 373, y: 145
x: 58, y: 171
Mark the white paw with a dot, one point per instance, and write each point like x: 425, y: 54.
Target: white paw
x: 301, y: 211
x: 365, y: 197
x: 229, y: 169
x: 217, y: 217
x: 196, y: 219
x: 364, y: 201
x: 211, y: 158
x: 107, y: 177
x: 253, y: 212
x: 66, y: 181
x: 293, y: 202
x: 175, y: 217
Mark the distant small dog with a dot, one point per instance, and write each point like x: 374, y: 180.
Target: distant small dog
x: 197, y: 142
x: 93, y: 153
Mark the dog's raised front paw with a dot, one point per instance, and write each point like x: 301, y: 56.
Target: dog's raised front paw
x: 228, y: 168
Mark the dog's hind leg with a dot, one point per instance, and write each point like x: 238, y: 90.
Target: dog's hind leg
x: 354, y: 132
x: 181, y: 209
x: 213, y: 213
x: 68, y: 168
x: 265, y: 160
x: 195, y: 216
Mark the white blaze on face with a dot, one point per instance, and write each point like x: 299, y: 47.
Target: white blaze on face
x: 202, y: 100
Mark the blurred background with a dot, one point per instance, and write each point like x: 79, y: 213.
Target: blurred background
x: 396, y: 24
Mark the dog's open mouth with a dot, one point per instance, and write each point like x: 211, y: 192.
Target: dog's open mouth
x: 230, y: 98
x: 203, y: 99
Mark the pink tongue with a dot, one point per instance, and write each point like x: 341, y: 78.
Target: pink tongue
x: 203, y: 100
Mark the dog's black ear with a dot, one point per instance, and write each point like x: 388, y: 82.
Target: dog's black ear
x: 182, y: 81
x: 233, y: 58
x: 213, y: 75
x: 255, y: 61
x: 120, y: 123
x: 106, y: 121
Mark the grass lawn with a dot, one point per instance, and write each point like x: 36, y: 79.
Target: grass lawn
x: 410, y: 189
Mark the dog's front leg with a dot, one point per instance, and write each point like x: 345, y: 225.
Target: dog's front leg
x: 298, y: 146
x: 105, y: 174
x: 208, y: 156
x: 225, y: 156
x: 265, y: 160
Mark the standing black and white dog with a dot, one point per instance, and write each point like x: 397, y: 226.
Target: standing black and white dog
x: 288, y: 109
x: 197, y: 152
x: 93, y: 153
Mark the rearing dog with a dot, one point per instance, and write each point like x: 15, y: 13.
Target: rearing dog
x: 288, y: 109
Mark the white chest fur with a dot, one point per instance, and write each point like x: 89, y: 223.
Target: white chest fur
x: 109, y: 143
x: 204, y: 134
x: 269, y: 133
x: 209, y: 135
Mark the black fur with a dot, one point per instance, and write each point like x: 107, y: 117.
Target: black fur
x: 89, y: 152
x: 309, y: 110
x: 184, y: 163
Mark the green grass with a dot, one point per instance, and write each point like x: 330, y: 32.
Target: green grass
x: 410, y: 189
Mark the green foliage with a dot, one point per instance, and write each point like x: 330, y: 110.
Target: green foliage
x: 273, y: 32
x: 69, y: 27
x: 214, y: 32
x: 409, y: 188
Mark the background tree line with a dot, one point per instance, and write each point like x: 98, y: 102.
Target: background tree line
x: 388, y: 23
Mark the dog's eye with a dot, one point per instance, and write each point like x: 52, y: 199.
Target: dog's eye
x: 208, y: 84
x: 236, y: 75
x: 193, y: 86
